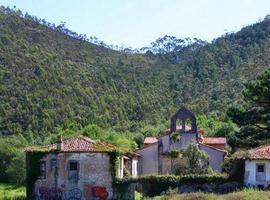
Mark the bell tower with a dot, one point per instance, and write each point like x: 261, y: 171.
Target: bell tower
x: 187, y: 134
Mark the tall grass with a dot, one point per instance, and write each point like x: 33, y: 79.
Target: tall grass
x: 11, y: 192
x: 246, y: 194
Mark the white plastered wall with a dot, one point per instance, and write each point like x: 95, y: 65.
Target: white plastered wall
x: 250, y: 172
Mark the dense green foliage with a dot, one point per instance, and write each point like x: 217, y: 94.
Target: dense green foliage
x: 11, y: 192
x: 155, y: 185
x: 194, y: 161
x: 33, y: 170
x: 198, y: 160
x: 234, y: 166
x: 254, y: 116
x: 12, y: 159
x: 56, y: 82
x: 49, y: 77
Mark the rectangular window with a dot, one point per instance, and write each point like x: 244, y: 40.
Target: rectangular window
x: 73, y: 171
x: 42, y: 169
x: 260, y: 168
x: 73, y: 166
x: 53, y: 163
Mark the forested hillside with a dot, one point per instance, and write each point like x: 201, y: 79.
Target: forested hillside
x: 49, y: 78
x: 54, y: 81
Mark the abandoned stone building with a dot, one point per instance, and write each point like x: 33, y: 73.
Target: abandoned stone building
x: 77, y: 168
x: 81, y: 168
x: 153, y: 159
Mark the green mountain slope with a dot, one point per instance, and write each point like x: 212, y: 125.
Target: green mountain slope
x: 48, y: 78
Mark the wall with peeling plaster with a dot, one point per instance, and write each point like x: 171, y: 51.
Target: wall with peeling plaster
x: 94, y: 172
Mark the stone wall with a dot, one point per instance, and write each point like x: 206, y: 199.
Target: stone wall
x: 186, y: 138
x: 148, y: 161
x: 216, y: 157
x: 94, y: 177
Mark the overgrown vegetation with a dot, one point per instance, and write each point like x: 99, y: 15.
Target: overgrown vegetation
x: 33, y: 170
x: 192, y: 161
x: 234, y: 166
x: 49, y: 78
x: 253, y: 117
x: 198, y: 160
x: 54, y: 81
x: 246, y: 194
x: 155, y: 185
x: 11, y: 192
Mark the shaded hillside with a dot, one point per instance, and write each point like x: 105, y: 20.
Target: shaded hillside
x: 48, y: 78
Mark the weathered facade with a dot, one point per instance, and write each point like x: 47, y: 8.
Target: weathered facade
x: 82, y: 169
x: 257, y: 167
x: 152, y: 156
x: 79, y: 168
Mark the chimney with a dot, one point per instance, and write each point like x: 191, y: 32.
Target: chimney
x: 59, y: 143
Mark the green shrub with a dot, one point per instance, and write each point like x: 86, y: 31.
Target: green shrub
x: 32, y: 170
x: 235, y: 166
x: 11, y: 192
x: 16, y: 169
x: 198, y: 160
x: 154, y: 185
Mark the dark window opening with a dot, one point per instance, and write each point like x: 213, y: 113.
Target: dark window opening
x: 260, y: 168
x: 53, y: 163
x: 73, y: 170
x: 73, y: 166
x: 42, y: 169
x: 261, y: 187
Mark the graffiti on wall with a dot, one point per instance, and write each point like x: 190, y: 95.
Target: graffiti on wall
x: 47, y: 193
x: 100, y: 192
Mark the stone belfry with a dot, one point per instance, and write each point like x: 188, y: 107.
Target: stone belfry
x: 183, y: 114
x: 187, y: 135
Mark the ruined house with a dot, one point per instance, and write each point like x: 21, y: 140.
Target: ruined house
x: 153, y: 159
x: 81, y: 168
x: 75, y: 168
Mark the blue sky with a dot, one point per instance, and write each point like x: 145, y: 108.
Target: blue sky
x: 136, y: 23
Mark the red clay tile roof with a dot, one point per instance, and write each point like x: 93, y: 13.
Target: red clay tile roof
x: 214, y: 140
x: 150, y: 140
x: 211, y: 147
x: 260, y: 153
x: 77, y: 144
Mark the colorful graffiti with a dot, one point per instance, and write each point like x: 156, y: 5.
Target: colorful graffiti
x: 100, y: 192
x: 74, y: 194
x: 45, y: 193
x: 89, y: 191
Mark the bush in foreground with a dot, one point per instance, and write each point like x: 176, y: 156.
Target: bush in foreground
x: 10, y: 192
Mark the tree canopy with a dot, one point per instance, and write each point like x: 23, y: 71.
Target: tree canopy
x: 253, y: 117
x: 55, y: 81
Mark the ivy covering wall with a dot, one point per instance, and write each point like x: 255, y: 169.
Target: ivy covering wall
x: 32, y: 169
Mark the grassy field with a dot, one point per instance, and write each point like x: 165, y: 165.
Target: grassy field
x: 246, y: 194
x: 10, y: 192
